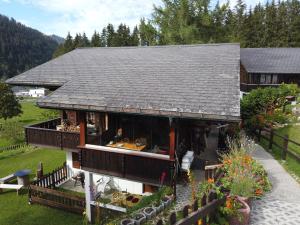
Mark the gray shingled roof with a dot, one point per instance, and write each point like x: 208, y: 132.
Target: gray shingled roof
x: 189, y: 81
x: 271, y: 60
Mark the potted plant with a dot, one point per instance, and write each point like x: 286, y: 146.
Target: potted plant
x: 128, y: 222
x: 237, y: 210
x: 149, y: 212
x: 166, y: 201
x: 159, y: 206
x: 139, y: 218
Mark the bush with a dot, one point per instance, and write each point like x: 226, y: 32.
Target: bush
x: 262, y: 106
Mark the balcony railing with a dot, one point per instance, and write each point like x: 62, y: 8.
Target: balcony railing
x: 145, y: 167
x: 248, y: 87
x: 45, y: 134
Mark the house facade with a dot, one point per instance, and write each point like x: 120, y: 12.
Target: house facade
x: 130, y: 114
x: 269, y: 67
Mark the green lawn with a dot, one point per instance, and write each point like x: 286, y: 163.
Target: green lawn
x: 15, y: 210
x: 293, y: 131
x: 12, y: 131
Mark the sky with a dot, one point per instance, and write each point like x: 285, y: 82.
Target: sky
x: 77, y: 16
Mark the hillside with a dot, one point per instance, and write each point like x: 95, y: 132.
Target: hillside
x: 22, y: 48
x: 56, y: 38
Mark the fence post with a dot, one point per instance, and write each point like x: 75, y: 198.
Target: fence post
x: 203, y: 203
x: 173, y: 218
x: 271, y: 139
x: 29, y: 195
x: 53, y: 180
x: 285, y: 146
x: 259, y: 135
x: 160, y: 222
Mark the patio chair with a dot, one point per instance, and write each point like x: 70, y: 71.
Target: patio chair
x: 79, y: 177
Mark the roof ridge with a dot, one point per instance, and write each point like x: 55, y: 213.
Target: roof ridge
x: 161, y: 46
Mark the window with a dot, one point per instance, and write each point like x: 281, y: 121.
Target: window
x: 268, y: 78
x: 275, y: 79
x: 263, y: 78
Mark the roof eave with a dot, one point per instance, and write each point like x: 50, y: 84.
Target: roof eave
x: 153, y: 112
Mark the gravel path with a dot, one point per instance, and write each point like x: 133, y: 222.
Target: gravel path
x: 282, y: 205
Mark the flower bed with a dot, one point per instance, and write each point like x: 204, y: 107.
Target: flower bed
x: 243, y: 180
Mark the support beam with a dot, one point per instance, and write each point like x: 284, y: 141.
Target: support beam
x: 88, y: 187
x: 172, y: 141
x: 82, y: 123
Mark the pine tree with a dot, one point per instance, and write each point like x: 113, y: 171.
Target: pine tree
x: 110, y: 36
x: 68, y: 45
x: 96, y: 40
x: 103, y: 38
x: 85, y: 41
x: 77, y: 41
x: 135, y: 40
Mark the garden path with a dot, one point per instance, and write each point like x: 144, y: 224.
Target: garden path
x: 282, y: 205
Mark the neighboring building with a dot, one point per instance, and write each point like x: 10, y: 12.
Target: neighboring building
x: 37, y: 92
x: 20, y: 91
x: 158, y: 100
x: 265, y: 67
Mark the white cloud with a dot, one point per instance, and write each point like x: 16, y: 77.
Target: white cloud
x: 89, y: 15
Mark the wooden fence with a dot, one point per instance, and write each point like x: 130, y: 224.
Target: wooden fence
x: 56, y: 199
x: 52, y: 179
x: 192, y: 214
x: 271, y: 142
x: 13, y: 147
x: 208, y: 205
x: 42, y: 191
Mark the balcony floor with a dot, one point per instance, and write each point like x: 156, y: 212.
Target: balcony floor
x: 70, y: 185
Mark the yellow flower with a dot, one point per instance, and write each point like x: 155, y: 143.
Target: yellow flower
x: 199, y: 222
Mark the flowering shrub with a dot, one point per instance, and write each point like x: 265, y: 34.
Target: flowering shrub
x: 243, y: 176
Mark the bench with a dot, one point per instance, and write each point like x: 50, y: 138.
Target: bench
x: 11, y: 186
x: 7, y: 178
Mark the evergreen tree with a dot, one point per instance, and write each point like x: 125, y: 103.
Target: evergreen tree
x: 122, y: 36
x: 68, y: 45
x: 78, y: 41
x: 96, y: 40
x: 110, y: 36
x: 148, y: 34
x: 135, y: 40
x: 85, y: 41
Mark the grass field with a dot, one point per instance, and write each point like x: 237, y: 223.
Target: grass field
x: 15, y: 210
x: 12, y: 131
x: 294, y: 134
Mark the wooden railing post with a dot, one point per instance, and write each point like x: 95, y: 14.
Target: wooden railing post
x: 203, y: 203
x: 53, y: 180
x: 160, y: 222
x: 271, y: 139
x: 259, y: 135
x: 285, y: 146
x: 172, y: 218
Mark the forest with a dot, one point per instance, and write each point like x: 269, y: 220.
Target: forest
x: 273, y: 24
x: 22, y: 48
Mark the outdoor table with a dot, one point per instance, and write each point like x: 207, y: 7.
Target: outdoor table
x: 127, y: 145
x: 23, y: 177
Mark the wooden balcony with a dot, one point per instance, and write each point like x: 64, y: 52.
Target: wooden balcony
x: 145, y: 167
x: 45, y: 134
x: 248, y: 87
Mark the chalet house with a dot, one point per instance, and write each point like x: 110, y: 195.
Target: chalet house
x: 269, y: 67
x: 131, y: 113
